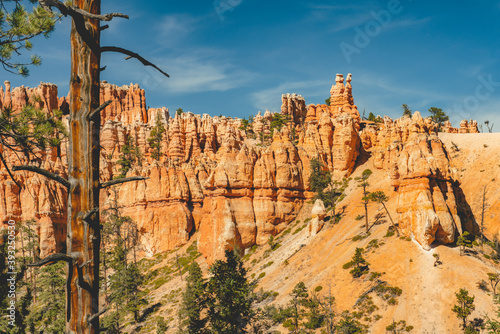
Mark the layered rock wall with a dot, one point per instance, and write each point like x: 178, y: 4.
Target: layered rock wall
x: 419, y: 169
x: 236, y: 186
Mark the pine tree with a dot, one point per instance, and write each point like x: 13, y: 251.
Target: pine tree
x: 156, y: 137
x: 494, y: 279
x: 229, y: 296
x: 464, y: 307
x: 18, y: 27
x: 349, y: 325
x: 359, y: 262
x: 399, y: 327
x: 299, y: 297
x: 130, y: 154
x: 406, y: 110
x: 438, y: 116
x: 363, y: 183
x: 194, y: 302
x: 83, y: 183
x: 319, y: 179
x: 124, y: 284
x: 464, y: 242
x: 48, y: 314
x: 315, y: 313
x: 381, y: 197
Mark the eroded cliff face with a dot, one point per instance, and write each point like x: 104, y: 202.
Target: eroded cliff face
x: 419, y: 169
x: 233, y: 184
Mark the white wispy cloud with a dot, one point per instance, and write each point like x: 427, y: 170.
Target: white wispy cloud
x: 173, y: 29
x: 346, y: 22
x: 337, y: 7
x: 409, y: 22
x: 391, y: 85
x: 270, y: 98
x: 177, y: 24
x: 191, y: 73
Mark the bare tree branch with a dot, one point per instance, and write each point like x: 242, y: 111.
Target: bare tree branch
x: 52, y: 259
x: 89, y: 215
x: 73, y: 10
x: 124, y: 180
x: 99, y: 109
x: 43, y: 172
x: 95, y: 316
x: 86, y: 262
x: 132, y: 55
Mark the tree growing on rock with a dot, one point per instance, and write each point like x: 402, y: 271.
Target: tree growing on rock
x: 406, y: 110
x: 464, y: 242
x: 484, y: 207
x: 358, y: 262
x: 381, y: 197
x: 490, y: 127
x: 320, y: 181
x: 438, y: 116
x: 464, y: 307
x: 130, y: 154
x: 398, y: 327
x: 363, y: 183
x: 371, y: 117
x: 348, y: 324
x: 294, y: 312
x: 156, y: 137
x: 319, y: 178
x: 494, y: 279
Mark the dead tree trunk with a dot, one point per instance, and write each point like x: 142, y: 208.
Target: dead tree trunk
x: 83, y: 238
x: 83, y: 229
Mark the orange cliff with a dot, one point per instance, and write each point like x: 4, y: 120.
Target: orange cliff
x: 197, y: 186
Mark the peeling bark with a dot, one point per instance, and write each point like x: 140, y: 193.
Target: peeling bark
x: 83, y: 156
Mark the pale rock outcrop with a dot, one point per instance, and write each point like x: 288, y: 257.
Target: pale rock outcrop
x: 295, y: 106
x: 465, y: 127
x: 418, y: 166
x: 317, y: 222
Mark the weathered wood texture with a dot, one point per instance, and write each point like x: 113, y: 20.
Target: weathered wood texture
x: 82, y: 239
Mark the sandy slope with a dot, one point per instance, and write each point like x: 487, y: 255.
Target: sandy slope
x: 478, y: 165
x: 428, y: 291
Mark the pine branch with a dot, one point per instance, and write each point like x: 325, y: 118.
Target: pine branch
x: 131, y: 54
x: 73, y: 11
x: 43, y: 172
x: 123, y: 180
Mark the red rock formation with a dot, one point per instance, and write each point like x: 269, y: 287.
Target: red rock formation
x: 44, y: 97
x: 419, y: 169
x: 465, y: 127
x: 236, y: 188
x: 295, y: 106
x: 341, y: 99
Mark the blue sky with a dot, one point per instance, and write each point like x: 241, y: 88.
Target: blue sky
x: 236, y: 57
